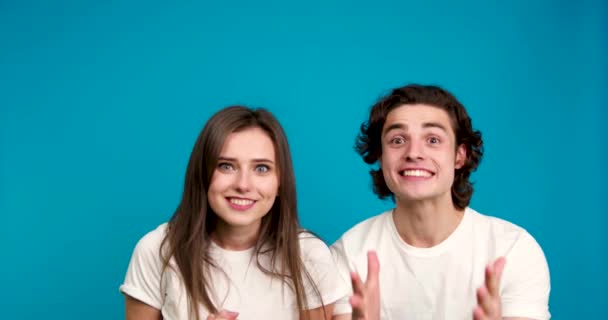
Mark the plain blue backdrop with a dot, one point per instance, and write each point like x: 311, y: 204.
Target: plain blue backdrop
x: 101, y: 102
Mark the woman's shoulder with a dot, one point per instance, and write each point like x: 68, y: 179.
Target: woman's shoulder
x: 151, y: 241
x: 312, y: 246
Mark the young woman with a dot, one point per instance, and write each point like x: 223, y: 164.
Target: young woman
x: 234, y: 247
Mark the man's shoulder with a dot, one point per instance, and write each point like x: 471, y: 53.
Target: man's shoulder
x: 497, y: 229
x: 480, y: 219
x: 369, y: 228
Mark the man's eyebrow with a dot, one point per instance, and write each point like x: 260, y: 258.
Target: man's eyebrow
x: 426, y: 125
x: 435, y: 125
x: 394, y: 126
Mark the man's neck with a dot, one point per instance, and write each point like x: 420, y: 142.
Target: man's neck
x: 425, y: 224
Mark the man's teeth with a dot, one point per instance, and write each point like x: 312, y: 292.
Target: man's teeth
x: 241, y: 202
x: 416, y: 173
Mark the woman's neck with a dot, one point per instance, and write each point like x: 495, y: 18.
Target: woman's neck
x: 235, y: 238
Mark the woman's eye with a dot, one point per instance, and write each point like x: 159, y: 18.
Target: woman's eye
x: 262, y: 168
x: 224, y: 166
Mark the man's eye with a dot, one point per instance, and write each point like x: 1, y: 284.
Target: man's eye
x: 397, y: 140
x: 433, y: 140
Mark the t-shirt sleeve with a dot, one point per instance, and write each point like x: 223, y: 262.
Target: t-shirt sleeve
x: 143, y: 279
x: 323, y: 272
x: 338, y: 252
x: 525, y: 281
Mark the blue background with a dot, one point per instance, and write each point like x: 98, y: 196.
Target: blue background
x: 101, y: 102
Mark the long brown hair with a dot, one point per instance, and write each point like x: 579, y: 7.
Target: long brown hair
x: 188, y: 237
x: 369, y: 146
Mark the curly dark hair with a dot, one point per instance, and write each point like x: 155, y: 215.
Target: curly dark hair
x: 368, y: 143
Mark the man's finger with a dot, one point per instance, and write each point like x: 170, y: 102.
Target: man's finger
x: 478, y: 314
x: 490, y: 279
x: 358, y: 305
x: 484, y: 300
x: 228, y: 315
x: 358, y: 286
x: 493, y: 273
x: 499, y: 266
x: 373, y: 268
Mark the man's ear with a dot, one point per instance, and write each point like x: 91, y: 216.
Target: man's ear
x: 461, y: 156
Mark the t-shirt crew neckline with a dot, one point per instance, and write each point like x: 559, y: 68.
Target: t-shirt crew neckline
x: 435, y: 250
x: 232, y: 255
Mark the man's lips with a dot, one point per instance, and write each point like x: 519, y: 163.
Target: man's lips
x: 417, y: 172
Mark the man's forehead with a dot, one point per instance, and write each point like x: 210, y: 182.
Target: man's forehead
x: 417, y: 115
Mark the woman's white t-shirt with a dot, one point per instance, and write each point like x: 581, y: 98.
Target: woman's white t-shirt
x: 242, y: 287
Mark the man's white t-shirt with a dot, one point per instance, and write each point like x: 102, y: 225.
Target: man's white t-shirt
x: 242, y: 288
x: 441, y: 282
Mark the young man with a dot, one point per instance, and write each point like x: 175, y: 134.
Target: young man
x: 440, y: 259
